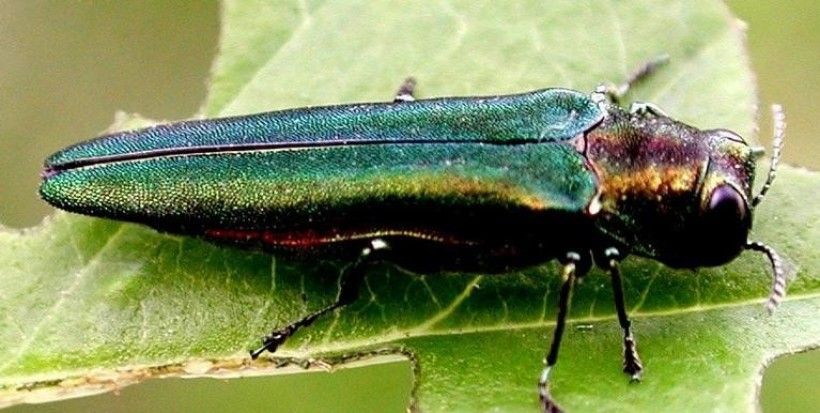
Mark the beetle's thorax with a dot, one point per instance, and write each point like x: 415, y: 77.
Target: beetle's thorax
x: 652, y: 171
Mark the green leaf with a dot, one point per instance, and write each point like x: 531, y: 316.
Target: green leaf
x: 87, y: 301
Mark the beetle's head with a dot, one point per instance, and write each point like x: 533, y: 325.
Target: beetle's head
x: 674, y: 193
x: 681, y: 195
x: 721, y: 217
x: 720, y: 231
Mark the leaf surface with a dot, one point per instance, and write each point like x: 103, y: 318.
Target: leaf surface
x: 86, y: 299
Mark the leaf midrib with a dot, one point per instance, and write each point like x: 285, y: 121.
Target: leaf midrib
x: 429, y: 331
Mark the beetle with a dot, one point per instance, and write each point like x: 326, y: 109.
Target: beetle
x: 459, y: 184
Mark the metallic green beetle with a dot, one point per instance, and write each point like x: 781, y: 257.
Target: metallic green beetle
x: 470, y: 184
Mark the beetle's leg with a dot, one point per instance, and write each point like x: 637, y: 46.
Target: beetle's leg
x: 632, y: 363
x: 406, y: 91
x: 350, y: 283
x: 614, y: 93
x: 646, y: 108
x: 568, y: 275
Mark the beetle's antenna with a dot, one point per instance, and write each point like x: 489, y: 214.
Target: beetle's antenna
x: 779, y: 118
x: 779, y: 281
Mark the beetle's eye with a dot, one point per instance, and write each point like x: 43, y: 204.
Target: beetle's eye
x: 723, y: 228
x: 727, y: 214
x: 727, y: 204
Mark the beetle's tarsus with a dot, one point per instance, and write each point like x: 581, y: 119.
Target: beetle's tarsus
x: 548, y: 405
x: 272, y: 341
x: 632, y: 362
x: 258, y: 352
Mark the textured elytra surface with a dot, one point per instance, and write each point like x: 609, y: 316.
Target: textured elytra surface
x: 140, y: 298
x: 542, y: 116
x: 338, y: 168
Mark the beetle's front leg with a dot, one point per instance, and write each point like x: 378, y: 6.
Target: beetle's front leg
x: 573, y: 267
x: 350, y: 284
x: 612, y: 93
x: 632, y: 362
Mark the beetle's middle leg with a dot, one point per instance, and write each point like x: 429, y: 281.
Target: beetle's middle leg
x: 350, y: 284
x: 573, y: 267
x: 632, y: 363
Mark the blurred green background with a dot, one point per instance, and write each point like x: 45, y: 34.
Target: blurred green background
x: 67, y: 67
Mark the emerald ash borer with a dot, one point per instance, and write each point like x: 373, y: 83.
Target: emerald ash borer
x: 460, y: 184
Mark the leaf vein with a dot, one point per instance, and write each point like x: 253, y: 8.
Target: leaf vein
x: 64, y: 295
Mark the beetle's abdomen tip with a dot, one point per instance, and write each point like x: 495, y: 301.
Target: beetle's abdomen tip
x: 49, y: 191
x: 58, y: 189
x: 48, y: 172
x: 53, y: 165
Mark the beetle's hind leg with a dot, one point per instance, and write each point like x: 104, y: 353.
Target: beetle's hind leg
x: 632, y: 362
x: 573, y: 267
x: 349, y: 286
x: 406, y: 92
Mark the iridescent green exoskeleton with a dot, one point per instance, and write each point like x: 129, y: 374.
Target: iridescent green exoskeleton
x: 470, y: 184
